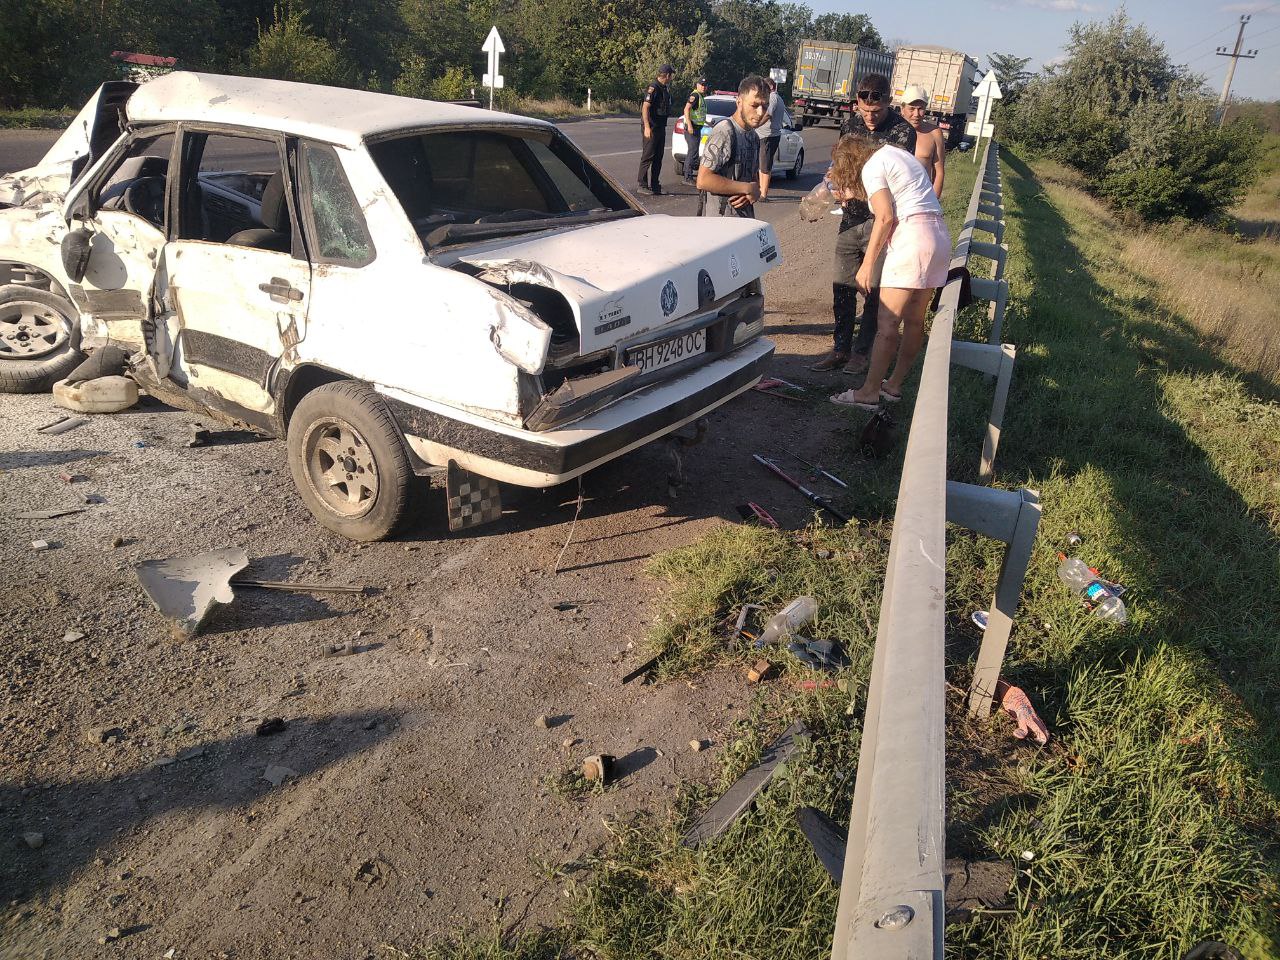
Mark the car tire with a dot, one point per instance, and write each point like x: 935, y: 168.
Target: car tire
x: 348, y: 461
x: 797, y: 166
x: 39, y: 339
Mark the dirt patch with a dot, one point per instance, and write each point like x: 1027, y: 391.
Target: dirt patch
x: 411, y: 793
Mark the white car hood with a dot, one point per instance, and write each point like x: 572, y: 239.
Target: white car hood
x: 51, y: 177
x: 625, y: 277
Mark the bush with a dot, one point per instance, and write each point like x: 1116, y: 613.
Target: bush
x: 288, y: 50
x: 1140, y: 128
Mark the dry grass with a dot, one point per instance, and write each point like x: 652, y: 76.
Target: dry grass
x: 1225, y: 286
x: 1226, y: 289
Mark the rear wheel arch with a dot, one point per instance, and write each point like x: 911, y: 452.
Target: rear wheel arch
x: 294, y: 384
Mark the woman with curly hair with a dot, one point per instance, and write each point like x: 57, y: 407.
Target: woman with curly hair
x: 910, y: 234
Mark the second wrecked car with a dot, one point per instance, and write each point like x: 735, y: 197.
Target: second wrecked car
x: 393, y: 285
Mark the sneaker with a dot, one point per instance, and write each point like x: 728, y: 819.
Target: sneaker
x: 831, y: 361
x: 857, y: 364
x: 657, y: 191
x: 645, y: 190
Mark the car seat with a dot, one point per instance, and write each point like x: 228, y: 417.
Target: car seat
x: 274, y: 234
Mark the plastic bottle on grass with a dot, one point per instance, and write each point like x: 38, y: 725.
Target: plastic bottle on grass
x: 1075, y: 573
x: 791, y: 618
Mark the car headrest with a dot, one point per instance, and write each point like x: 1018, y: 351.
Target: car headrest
x: 275, y: 210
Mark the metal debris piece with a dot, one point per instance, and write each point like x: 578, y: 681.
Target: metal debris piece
x: 185, y: 589
x: 39, y: 545
x: 751, y: 512
x: 717, y: 818
x: 818, y: 469
x: 799, y: 487
x: 598, y: 767
x: 741, y: 623
x: 641, y: 670
x: 826, y: 838
x: 62, y: 425
x: 276, y: 775
x: 819, y: 654
x: 302, y: 587
x: 46, y: 514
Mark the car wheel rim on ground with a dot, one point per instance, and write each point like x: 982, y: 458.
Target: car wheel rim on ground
x: 30, y: 330
x: 340, y: 467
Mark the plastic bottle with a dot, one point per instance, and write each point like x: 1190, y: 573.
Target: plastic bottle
x: 1075, y: 573
x: 815, y: 204
x: 791, y: 618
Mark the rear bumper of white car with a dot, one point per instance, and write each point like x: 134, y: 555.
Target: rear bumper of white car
x: 437, y: 433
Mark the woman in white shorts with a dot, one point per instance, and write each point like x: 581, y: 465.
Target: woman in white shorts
x: 909, y: 248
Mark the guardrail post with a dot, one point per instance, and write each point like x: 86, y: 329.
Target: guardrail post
x: 994, y: 361
x: 1012, y: 517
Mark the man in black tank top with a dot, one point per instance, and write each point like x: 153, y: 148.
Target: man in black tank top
x: 729, y: 173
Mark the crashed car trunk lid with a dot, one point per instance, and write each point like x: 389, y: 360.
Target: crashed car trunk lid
x: 627, y: 277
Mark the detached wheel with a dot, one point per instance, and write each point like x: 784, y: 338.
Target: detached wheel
x: 797, y: 166
x: 348, y: 461
x: 39, y: 339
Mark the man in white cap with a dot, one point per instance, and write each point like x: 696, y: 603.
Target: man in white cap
x: 931, y: 144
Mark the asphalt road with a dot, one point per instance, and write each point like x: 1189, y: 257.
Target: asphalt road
x: 613, y: 142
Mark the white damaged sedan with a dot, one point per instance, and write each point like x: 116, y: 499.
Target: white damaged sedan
x: 394, y: 285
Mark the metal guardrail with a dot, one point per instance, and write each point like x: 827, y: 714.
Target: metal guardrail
x: 892, y: 889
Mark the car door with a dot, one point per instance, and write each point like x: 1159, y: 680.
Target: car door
x: 235, y: 281
x: 123, y: 205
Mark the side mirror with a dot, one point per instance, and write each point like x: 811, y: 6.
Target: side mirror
x: 75, y: 253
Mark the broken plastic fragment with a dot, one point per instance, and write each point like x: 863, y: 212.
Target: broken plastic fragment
x: 1017, y: 705
x: 185, y: 589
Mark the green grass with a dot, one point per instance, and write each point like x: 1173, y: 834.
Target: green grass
x: 1153, y: 818
x: 35, y: 118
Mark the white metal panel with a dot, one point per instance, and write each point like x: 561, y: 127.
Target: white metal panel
x: 331, y: 114
x: 642, y: 270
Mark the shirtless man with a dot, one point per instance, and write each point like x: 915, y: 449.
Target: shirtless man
x: 931, y: 143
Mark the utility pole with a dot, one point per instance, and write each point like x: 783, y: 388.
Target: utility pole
x: 1235, y: 56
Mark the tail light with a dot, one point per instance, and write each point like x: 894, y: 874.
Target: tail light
x: 680, y: 125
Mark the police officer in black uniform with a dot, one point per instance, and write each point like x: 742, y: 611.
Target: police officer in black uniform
x: 653, y: 113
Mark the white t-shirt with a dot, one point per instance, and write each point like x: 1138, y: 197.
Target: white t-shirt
x: 906, y: 179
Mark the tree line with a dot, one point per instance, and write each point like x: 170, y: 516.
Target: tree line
x: 53, y: 53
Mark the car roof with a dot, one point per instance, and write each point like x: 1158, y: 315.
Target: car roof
x: 331, y: 114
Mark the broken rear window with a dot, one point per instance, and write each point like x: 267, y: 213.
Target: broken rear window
x: 486, y: 176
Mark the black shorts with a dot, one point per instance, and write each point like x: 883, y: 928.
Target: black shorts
x: 768, y: 150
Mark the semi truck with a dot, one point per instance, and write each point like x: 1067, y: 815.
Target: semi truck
x: 827, y: 76
x: 948, y: 76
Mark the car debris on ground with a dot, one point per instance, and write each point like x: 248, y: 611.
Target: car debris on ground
x: 717, y: 818
x: 186, y: 589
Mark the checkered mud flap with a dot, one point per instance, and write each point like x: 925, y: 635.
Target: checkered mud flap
x: 473, y: 499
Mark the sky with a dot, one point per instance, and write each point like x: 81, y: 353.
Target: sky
x: 1190, y: 30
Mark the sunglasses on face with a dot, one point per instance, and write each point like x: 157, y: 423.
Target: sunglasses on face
x: 870, y: 96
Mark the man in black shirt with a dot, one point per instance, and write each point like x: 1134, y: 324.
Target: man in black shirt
x: 874, y: 120
x: 653, y: 114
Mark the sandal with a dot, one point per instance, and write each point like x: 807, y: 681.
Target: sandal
x: 887, y: 394
x: 846, y: 400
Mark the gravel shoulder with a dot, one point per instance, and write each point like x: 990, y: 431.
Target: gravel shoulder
x: 419, y: 802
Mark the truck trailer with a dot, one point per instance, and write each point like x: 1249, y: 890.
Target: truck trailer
x: 948, y: 75
x: 827, y: 76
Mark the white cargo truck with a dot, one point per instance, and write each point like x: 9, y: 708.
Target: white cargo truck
x: 948, y: 75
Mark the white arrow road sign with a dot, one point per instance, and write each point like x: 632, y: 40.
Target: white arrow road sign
x: 986, y: 91
x: 494, y: 48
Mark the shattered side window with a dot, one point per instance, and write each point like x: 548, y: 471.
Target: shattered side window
x: 340, y: 233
